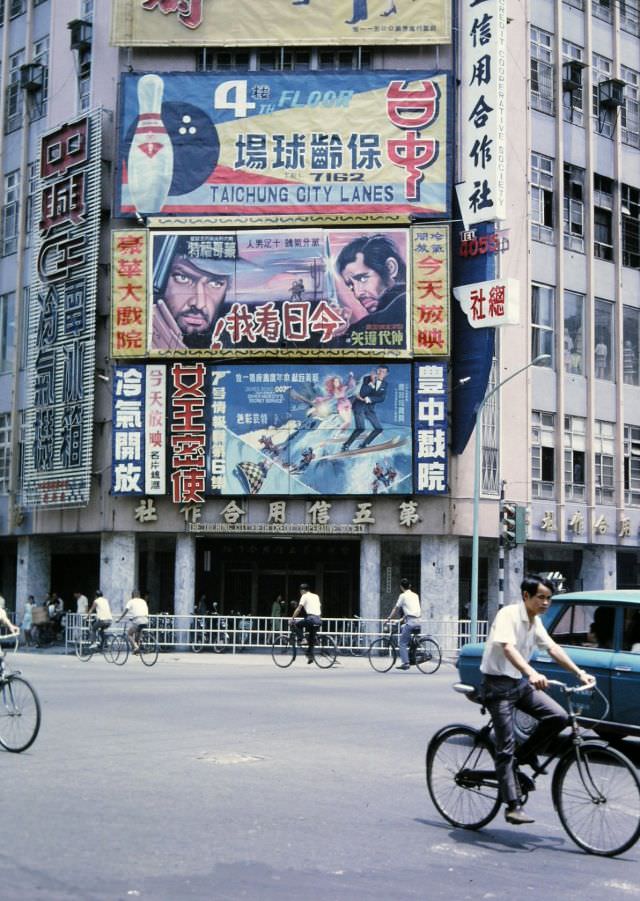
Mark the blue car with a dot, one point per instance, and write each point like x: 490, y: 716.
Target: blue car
x: 600, y: 630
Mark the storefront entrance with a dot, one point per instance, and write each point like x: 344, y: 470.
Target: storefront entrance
x: 245, y: 576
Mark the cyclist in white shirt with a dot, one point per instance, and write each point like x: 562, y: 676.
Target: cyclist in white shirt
x: 138, y: 612
x: 307, y: 615
x: 408, y: 607
x: 101, y: 609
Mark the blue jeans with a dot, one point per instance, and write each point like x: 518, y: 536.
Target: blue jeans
x: 405, y: 638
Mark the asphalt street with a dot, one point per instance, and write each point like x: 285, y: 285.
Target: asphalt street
x: 214, y: 777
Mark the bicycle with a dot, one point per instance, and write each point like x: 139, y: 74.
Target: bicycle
x: 284, y: 649
x: 424, y: 652
x: 19, y: 708
x: 595, y: 788
x: 353, y: 640
x: 85, y: 646
x: 148, y: 649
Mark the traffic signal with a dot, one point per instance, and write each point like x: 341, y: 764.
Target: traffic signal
x: 509, y: 514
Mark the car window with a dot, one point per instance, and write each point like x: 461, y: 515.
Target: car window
x: 585, y: 625
x: 631, y: 634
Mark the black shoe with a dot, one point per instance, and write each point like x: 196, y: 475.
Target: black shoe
x: 517, y: 817
x: 309, y: 659
x: 403, y: 666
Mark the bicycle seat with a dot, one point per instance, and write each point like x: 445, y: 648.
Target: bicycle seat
x: 469, y: 691
x: 415, y: 630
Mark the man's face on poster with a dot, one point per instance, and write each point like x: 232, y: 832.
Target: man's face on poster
x: 366, y: 283
x: 194, y: 296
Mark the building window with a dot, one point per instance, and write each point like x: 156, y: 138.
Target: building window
x: 24, y: 350
x: 573, y: 208
x: 603, y: 351
x: 14, y: 94
x: 573, y: 99
x: 333, y: 58
x: 490, y: 467
x: 11, y: 213
x: 541, y: 48
x: 5, y: 451
x: 573, y: 333
x: 604, y: 456
x: 38, y: 99
x: 630, y: 208
x: 604, y: 120
x: 543, y: 454
x: 602, y: 10
x: 574, y: 457
x: 32, y: 185
x: 630, y: 111
x: 576, y: 4
x: 630, y: 345
x: 541, y: 198
x: 211, y: 60
x: 86, y: 10
x: 602, y: 217
x: 629, y: 16
x: 542, y: 321
x: 7, y: 330
x: 632, y: 465
x: 16, y: 8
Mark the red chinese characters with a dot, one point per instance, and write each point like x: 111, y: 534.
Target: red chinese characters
x: 188, y: 433
x: 412, y: 110
x: 129, y: 293
x: 189, y: 12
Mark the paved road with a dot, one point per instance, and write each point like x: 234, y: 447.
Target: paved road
x: 225, y: 778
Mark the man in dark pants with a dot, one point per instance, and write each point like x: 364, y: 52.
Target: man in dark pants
x: 510, y: 681
x: 373, y: 390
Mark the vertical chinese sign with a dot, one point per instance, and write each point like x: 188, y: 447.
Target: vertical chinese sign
x: 430, y: 293
x: 60, y: 389
x: 139, y: 444
x: 129, y: 293
x: 483, y: 76
x: 430, y: 451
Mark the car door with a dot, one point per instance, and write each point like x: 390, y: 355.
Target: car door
x: 625, y: 672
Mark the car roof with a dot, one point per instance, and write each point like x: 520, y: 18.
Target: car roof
x: 630, y: 596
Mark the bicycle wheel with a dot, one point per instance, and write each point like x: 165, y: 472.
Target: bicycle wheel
x: 358, y: 646
x: 197, y: 644
x: 19, y: 714
x: 83, y: 649
x: 461, y: 777
x: 283, y: 651
x: 325, y: 651
x: 382, y: 654
x: 119, y: 650
x: 597, y: 796
x: 428, y: 655
x: 149, y: 649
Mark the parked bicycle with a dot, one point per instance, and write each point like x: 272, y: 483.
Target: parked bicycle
x: 353, y: 639
x: 284, y: 649
x: 595, y: 788
x: 148, y: 649
x: 424, y: 652
x: 19, y: 707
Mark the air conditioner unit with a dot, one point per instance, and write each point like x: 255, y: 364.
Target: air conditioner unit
x: 32, y: 77
x: 80, y: 34
x: 572, y: 75
x: 611, y: 93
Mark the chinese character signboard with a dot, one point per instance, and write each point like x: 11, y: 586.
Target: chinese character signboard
x: 483, y: 76
x: 271, y: 430
x: 129, y: 293
x: 430, y: 410
x: 490, y: 303
x: 268, y: 143
x: 61, y: 355
x: 202, y: 23
x: 139, y: 439
x: 430, y: 294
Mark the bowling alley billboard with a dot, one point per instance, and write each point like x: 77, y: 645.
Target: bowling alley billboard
x: 271, y: 143
x: 226, y: 23
x: 328, y: 429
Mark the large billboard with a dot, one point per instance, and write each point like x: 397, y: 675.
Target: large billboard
x: 62, y: 307
x: 335, y: 429
x: 203, y: 23
x: 257, y: 143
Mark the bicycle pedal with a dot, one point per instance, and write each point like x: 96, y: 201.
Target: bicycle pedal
x: 527, y: 784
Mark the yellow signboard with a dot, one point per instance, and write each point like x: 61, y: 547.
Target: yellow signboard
x: 430, y: 290
x: 226, y: 23
x: 129, y: 293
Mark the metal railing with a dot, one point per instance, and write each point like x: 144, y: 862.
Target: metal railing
x: 236, y: 634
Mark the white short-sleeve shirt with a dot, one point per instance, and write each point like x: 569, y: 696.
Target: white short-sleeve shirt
x: 103, y: 609
x: 512, y: 626
x: 311, y: 603
x: 409, y: 603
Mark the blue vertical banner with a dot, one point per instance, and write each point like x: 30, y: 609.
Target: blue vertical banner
x: 430, y: 428
x: 128, y: 444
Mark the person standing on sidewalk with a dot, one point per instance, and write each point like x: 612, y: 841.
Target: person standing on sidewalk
x: 408, y: 607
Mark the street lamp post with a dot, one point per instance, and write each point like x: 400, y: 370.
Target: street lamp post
x: 473, y: 607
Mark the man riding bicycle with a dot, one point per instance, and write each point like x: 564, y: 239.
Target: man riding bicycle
x: 307, y: 615
x: 100, y: 610
x: 408, y: 607
x: 138, y: 612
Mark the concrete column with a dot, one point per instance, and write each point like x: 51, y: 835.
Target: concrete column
x: 513, y: 574
x: 33, y: 571
x: 439, y: 573
x: 599, y: 568
x: 370, y: 578
x: 118, y: 569
x: 184, y: 590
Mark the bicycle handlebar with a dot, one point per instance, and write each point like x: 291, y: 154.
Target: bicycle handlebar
x: 572, y: 689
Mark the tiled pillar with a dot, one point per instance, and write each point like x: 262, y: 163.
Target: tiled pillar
x: 184, y: 587
x: 118, y: 568
x: 439, y: 579
x: 370, y: 578
x: 599, y: 568
x: 33, y: 571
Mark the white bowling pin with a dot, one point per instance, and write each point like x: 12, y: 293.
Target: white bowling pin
x: 150, y: 161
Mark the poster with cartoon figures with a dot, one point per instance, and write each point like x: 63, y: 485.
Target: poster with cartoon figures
x: 252, y: 143
x: 333, y: 429
x: 306, y: 292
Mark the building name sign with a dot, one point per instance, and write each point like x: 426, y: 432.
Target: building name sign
x: 300, y: 528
